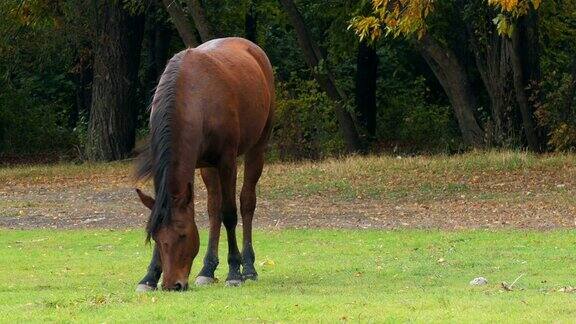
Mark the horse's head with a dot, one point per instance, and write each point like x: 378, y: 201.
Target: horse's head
x: 176, y: 239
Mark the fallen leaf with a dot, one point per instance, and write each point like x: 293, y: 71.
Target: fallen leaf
x: 269, y: 263
x: 506, y: 286
x: 567, y: 289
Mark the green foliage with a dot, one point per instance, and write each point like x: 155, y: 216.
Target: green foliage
x: 305, y: 125
x: 411, y: 115
x: 412, y: 124
x: 228, y: 16
x: 27, y: 125
x: 563, y: 137
x: 38, y: 92
x: 510, y: 11
x: 430, y: 128
x: 42, y: 43
x: 557, y: 115
x: 557, y: 112
x: 135, y: 6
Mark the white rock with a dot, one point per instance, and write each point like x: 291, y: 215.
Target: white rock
x: 480, y: 281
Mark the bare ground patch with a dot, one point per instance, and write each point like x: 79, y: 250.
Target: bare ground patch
x: 512, y: 191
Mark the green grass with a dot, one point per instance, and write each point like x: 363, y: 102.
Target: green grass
x: 305, y: 275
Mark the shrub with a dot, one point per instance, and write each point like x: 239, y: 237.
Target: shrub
x: 27, y: 126
x: 305, y: 125
x: 409, y: 123
x: 556, y: 115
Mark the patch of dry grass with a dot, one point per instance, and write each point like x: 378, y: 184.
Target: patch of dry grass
x: 486, y: 175
x: 424, y: 177
x: 474, y: 190
x: 66, y: 174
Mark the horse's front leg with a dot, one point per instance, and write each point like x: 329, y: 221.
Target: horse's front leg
x: 227, y: 171
x: 212, y: 182
x: 150, y: 280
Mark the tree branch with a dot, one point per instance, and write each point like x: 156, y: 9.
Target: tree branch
x: 184, y: 27
x: 202, y: 24
x: 313, y: 57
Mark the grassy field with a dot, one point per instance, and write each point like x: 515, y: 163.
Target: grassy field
x: 306, y: 275
x: 327, y: 275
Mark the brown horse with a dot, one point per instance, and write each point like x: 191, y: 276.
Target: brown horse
x: 213, y: 103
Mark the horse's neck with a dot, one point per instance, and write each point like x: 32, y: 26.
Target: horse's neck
x: 183, y: 168
x: 187, y: 136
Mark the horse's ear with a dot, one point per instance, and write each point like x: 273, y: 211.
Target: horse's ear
x: 189, y: 193
x: 146, y: 200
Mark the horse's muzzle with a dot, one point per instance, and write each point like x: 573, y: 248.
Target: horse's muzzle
x: 178, y: 286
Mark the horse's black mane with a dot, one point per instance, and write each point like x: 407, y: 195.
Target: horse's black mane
x: 155, y: 160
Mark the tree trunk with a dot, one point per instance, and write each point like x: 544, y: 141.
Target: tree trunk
x: 203, y: 26
x: 313, y: 57
x: 84, y: 78
x: 162, y: 49
x: 493, y: 63
x: 569, y: 112
x: 366, y: 76
x: 158, y: 36
x: 149, y: 47
x: 111, y: 132
x: 526, y: 74
x: 452, y: 76
x: 185, y: 29
x: 250, y: 23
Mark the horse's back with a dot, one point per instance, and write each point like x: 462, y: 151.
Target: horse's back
x: 231, y: 47
x: 230, y: 81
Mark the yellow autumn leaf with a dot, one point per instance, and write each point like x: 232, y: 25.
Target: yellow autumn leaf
x: 267, y: 263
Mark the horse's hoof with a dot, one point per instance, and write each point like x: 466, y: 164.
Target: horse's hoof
x: 142, y: 288
x: 233, y: 282
x: 204, y: 281
x: 250, y: 276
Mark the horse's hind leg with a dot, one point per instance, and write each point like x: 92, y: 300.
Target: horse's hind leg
x: 212, y: 182
x: 227, y: 171
x: 253, y: 165
x: 150, y: 280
